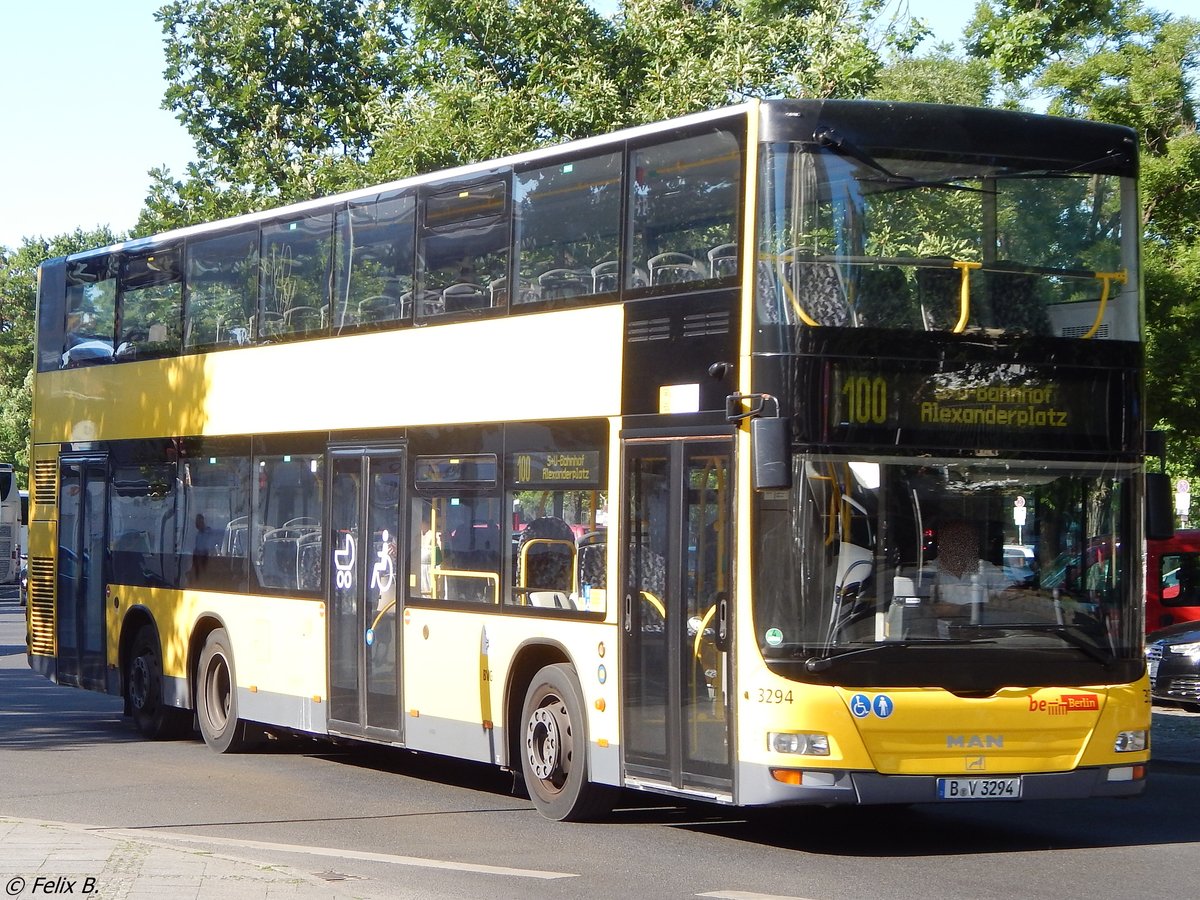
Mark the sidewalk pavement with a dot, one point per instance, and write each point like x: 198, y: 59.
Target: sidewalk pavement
x: 38, y: 859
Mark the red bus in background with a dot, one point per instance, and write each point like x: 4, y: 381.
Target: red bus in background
x: 1172, y: 582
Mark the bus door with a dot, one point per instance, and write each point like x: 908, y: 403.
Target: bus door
x: 79, y: 621
x: 676, y: 620
x: 365, y: 566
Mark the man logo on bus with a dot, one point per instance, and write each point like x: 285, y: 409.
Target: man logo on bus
x: 974, y: 741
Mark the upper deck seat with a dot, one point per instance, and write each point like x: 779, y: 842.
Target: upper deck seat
x: 884, y: 299
x: 562, y: 283
x: 675, y: 268
x: 464, y: 295
x: 723, y: 261
x: 815, y: 288
x: 1014, y: 301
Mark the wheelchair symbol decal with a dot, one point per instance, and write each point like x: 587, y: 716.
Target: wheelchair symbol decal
x: 861, y: 706
x: 383, y: 575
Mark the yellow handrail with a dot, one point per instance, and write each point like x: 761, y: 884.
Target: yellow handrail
x: 964, y: 293
x: 1106, y: 279
x: 656, y: 603
x: 700, y: 631
x: 791, y: 295
x: 390, y: 605
x: 570, y: 545
x: 439, y: 572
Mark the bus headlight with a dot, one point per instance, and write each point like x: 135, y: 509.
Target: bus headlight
x: 810, y: 744
x: 1131, y: 741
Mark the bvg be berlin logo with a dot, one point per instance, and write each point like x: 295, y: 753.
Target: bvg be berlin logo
x: 1065, y: 703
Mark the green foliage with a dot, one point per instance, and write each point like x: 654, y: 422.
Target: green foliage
x: 1172, y: 276
x: 1137, y: 78
x: 274, y: 91
x: 1017, y: 36
x: 290, y: 99
x: 1171, y: 192
x: 937, y: 77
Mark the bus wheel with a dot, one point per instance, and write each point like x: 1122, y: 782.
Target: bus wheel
x: 554, y: 749
x: 155, y: 719
x: 216, y: 697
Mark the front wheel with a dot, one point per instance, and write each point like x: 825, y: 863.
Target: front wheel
x: 216, y: 697
x: 554, y: 749
x: 154, y: 718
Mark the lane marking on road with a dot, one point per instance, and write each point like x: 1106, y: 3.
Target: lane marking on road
x: 362, y: 855
x: 747, y: 895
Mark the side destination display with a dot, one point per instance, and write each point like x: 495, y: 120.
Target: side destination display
x: 565, y: 467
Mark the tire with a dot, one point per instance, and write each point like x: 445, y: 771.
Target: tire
x: 216, y: 697
x: 554, y: 746
x: 152, y: 716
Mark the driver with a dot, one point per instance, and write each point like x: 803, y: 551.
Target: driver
x: 962, y: 576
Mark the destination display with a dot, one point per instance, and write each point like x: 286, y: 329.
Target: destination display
x: 975, y: 406
x: 556, y: 468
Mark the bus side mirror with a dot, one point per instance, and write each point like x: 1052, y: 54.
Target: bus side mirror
x: 1160, y: 509
x: 771, y: 450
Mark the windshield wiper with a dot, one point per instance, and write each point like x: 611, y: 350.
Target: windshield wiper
x: 1076, y: 637
x: 821, y: 663
x: 830, y: 139
x: 1068, y: 633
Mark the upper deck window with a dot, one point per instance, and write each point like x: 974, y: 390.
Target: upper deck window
x: 91, y: 311
x: 938, y: 242
x: 222, y: 290
x: 568, y: 227
x: 373, y: 277
x: 684, y: 199
x: 294, y: 286
x: 151, y: 304
x: 464, y: 249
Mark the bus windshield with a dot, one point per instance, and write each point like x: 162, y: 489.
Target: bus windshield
x: 943, y: 242
x: 862, y: 554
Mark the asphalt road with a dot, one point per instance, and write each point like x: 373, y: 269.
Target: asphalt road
x: 387, y: 823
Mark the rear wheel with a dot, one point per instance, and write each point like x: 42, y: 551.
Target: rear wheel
x: 216, y: 697
x: 154, y: 718
x: 554, y: 749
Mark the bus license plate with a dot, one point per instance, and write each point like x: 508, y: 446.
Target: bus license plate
x: 979, y: 788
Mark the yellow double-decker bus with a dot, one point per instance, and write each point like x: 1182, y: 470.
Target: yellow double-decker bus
x: 787, y: 453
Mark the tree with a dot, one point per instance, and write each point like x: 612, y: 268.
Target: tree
x: 1017, y: 37
x: 283, y: 99
x: 291, y: 99
x: 273, y: 90
x: 501, y: 76
x: 937, y: 77
x: 1138, y: 74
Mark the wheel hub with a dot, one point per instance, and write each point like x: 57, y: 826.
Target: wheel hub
x: 139, y: 682
x: 545, y: 743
